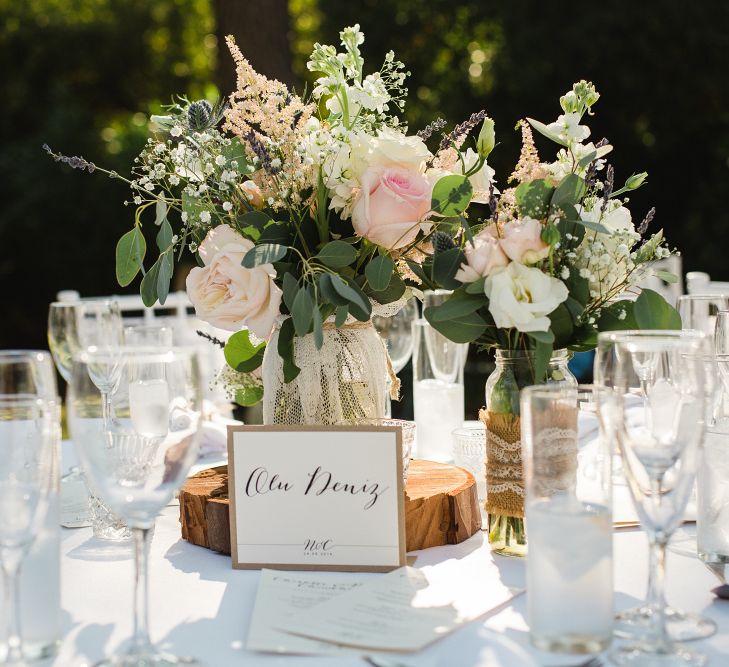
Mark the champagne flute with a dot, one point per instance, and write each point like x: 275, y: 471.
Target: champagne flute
x: 636, y: 622
x: 28, y: 430
x: 660, y: 436
x: 140, y: 457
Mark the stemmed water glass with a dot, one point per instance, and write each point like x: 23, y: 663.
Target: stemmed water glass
x: 636, y: 622
x: 660, y: 431
x: 28, y: 433
x: 721, y: 346
x: 140, y: 457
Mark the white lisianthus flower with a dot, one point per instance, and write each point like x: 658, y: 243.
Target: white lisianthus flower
x: 567, y: 127
x: 564, y: 164
x: 521, y: 297
x: 481, y: 180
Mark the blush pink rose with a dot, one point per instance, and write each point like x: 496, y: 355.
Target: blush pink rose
x: 227, y: 295
x: 252, y: 193
x: 390, y: 208
x: 521, y: 240
x: 483, y: 257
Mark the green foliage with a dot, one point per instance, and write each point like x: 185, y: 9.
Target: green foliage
x: 533, y: 198
x: 652, y: 311
x: 130, y: 251
x: 337, y: 254
x: 264, y: 253
x: 445, y: 267
x: 451, y: 195
x: 241, y: 354
x: 379, y: 272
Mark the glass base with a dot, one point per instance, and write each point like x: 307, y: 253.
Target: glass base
x: 682, y: 626
x: 107, y: 525
x: 648, y: 655
x: 574, y: 644
x: 153, y: 659
x: 713, y: 557
x: 507, y: 535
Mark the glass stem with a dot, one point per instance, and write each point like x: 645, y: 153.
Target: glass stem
x: 105, y: 408
x: 656, y: 590
x: 140, y: 642
x: 11, y: 581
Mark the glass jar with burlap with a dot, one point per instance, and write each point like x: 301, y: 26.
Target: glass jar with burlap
x: 344, y: 381
x: 501, y: 418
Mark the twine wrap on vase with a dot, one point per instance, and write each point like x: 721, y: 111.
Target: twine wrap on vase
x: 344, y: 381
x: 504, y: 478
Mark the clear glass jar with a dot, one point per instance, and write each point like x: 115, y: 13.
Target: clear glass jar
x: 505, y: 486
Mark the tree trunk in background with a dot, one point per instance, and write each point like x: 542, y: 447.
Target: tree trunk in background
x: 261, y: 30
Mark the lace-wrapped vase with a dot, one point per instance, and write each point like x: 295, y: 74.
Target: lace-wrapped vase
x: 344, y: 381
x: 505, y: 486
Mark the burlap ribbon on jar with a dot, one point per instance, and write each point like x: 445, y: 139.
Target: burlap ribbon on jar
x: 555, y: 457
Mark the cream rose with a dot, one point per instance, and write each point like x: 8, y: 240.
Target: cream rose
x: 252, y: 193
x: 390, y: 208
x: 483, y: 257
x: 227, y: 295
x: 522, y: 297
x: 391, y: 147
x: 522, y: 241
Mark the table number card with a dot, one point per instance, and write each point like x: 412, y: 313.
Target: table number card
x: 316, y: 497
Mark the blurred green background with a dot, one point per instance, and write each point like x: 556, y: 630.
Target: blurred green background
x: 83, y: 76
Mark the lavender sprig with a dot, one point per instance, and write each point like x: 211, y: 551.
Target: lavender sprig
x: 643, y: 228
x: 436, y: 126
x: 493, y: 199
x: 74, y: 162
x: 212, y: 339
x: 461, y: 130
x: 261, y: 153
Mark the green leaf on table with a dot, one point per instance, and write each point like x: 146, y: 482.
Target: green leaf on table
x: 265, y: 253
x: 148, y: 287
x: 285, y: 349
x: 248, y: 396
x: 569, y: 192
x: 379, y: 271
x: 164, y: 236
x: 301, y: 313
x: 445, y: 267
x: 241, y: 354
x: 545, y: 131
x: 166, y: 268
x: 160, y: 212
x: 652, y: 311
x: 130, y: 251
x: 336, y: 254
x: 318, y: 329
x: 533, y: 198
x: 464, y: 329
x: 460, y: 303
x: 451, y: 195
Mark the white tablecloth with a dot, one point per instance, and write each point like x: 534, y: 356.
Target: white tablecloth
x: 201, y: 607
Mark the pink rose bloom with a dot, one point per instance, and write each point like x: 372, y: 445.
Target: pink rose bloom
x: 391, y: 206
x: 522, y: 241
x: 483, y: 257
x: 252, y: 193
x: 227, y: 295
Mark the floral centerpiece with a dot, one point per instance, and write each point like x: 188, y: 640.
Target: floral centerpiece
x: 305, y: 216
x: 556, y: 259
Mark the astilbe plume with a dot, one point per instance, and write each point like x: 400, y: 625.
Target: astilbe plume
x: 265, y: 110
x: 528, y: 163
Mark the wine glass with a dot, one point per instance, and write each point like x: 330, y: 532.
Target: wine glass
x: 636, y: 622
x: 660, y: 430
x: 28, y: 372
x: 721, y: 345
x: 140, y: 456
x: 699, y: 311
x: 28, y: 432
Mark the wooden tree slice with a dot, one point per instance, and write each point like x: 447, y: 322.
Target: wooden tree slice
x: 441, y: 507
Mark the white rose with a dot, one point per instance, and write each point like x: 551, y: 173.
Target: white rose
x: 481, y: 180
x: 393, y: 148
x: 522, y: 297
x: 227, y: 295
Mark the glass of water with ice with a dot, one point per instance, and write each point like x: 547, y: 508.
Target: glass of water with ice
x: 567, y: 472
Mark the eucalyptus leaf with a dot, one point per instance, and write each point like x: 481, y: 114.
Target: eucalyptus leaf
x: 451, y: 195
x: 130, y: 251
x: 666, y: 276
x: 533, y: 198
x: 542, y: 336
x: 160, y: 212
x: 618, y: 316
x: 594, y: 226
x: 148, y: 287
x: 248, y: 396
x: 301, y: 313
x: 318, y: 329
x: 545, y: 131
x: 542, y: 355
x: 326, y: 288
x: 476, y: 287
x: 570, y: 191
x: 242, y: 354
x: 379, y: 272
x: 561, y: 325
x: 257, y: 219
x: 336, y: 254
x: 265, y: 253
x: 445, y: 267
x: 193, y: 206
x: 235, y: 151
x: 285, y: 349
x: 652, y: 311
x: 351, y: 293
x: 164, y: 236
x: 464, y: 329
x: 341, y: 317
x: 585, y: 161
x: 457, y: 305
x: 394, y: 291
x: 275, y: 233
x: 290, y: 288
x: 166, y: 268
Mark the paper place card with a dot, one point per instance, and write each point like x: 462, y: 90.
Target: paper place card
x: 404, y: 610
x: 281, y: 596
x: 316, y: 497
